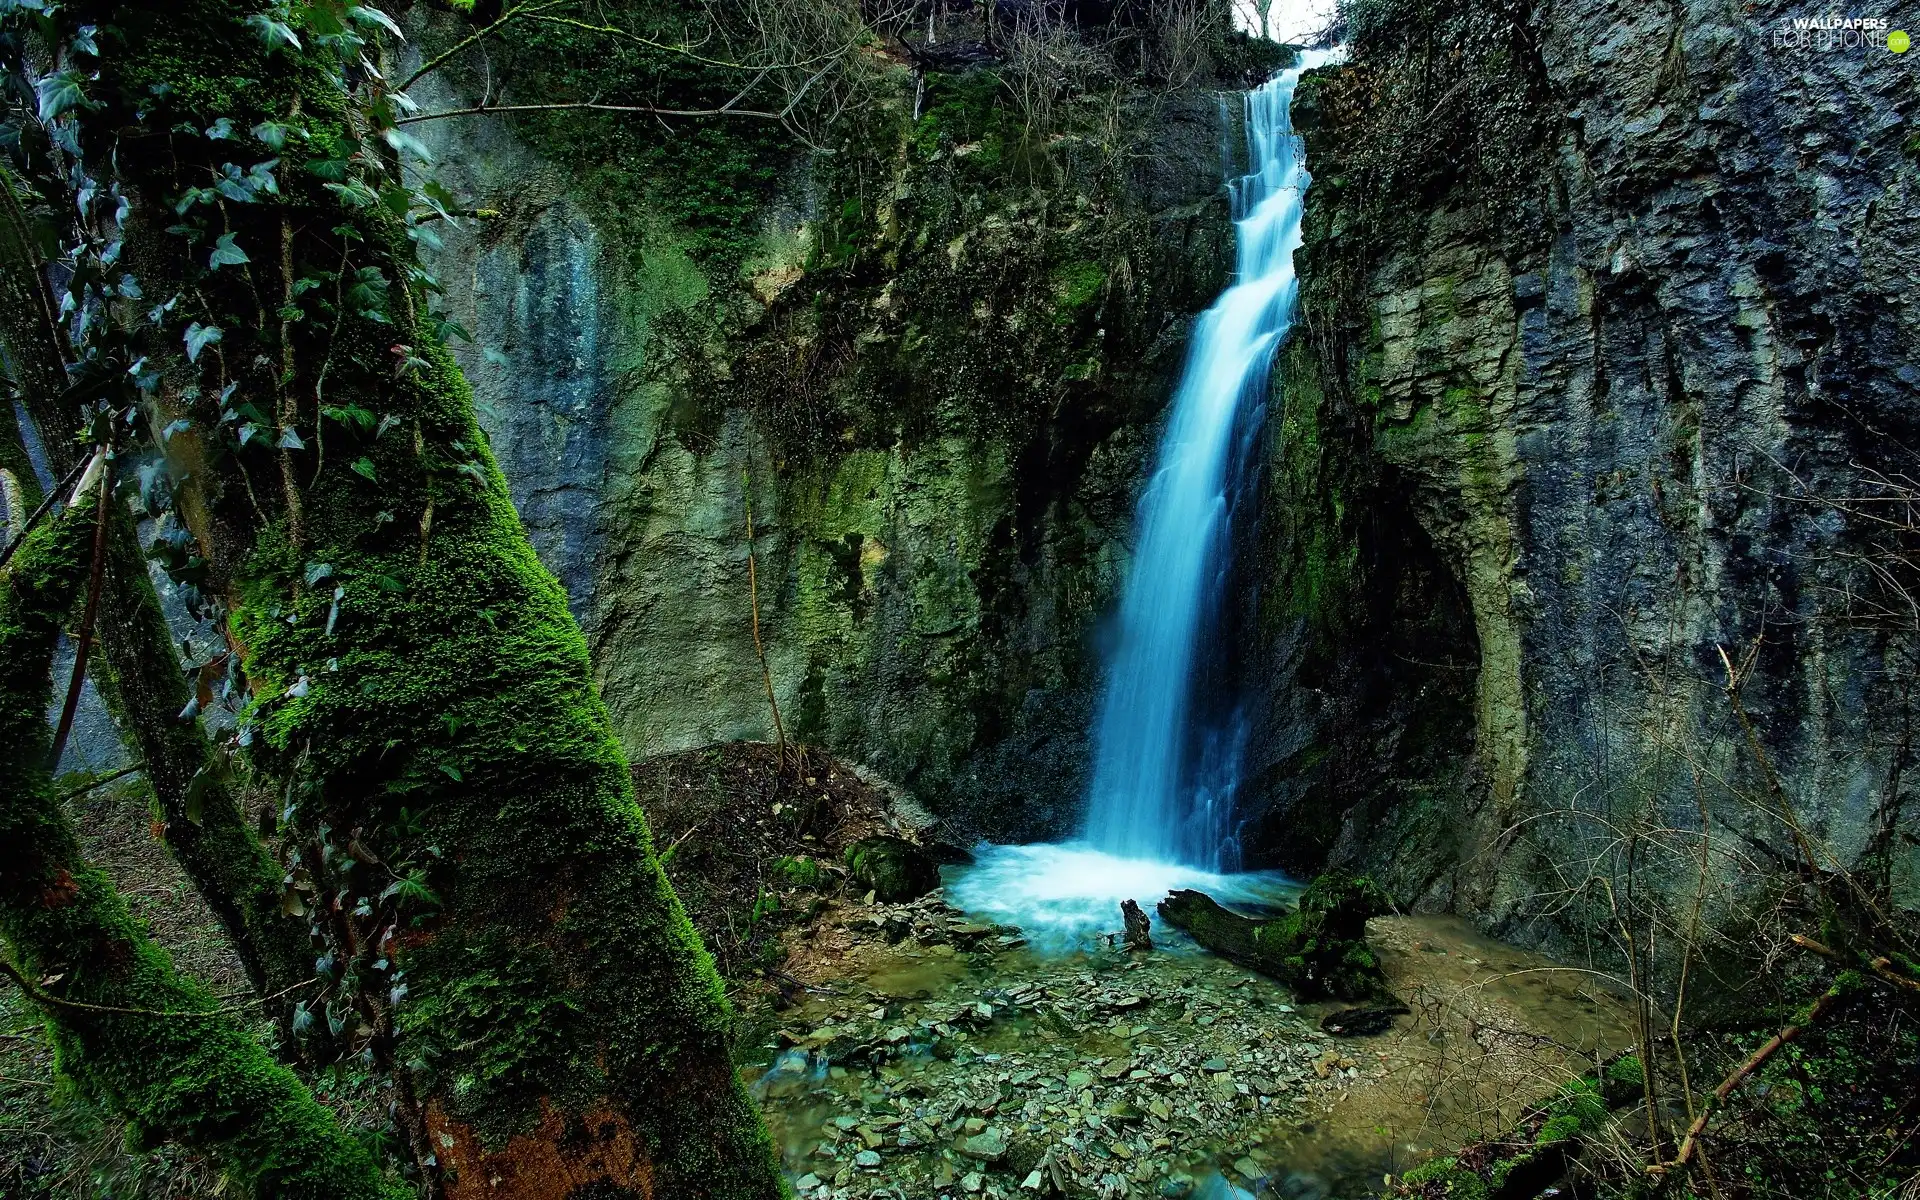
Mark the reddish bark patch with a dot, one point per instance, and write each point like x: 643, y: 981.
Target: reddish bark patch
x: 564, y: 1153
x: 61, y: 892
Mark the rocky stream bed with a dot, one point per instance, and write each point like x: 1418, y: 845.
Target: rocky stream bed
x: 931, y: 1054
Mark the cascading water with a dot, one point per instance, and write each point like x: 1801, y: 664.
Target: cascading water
x: 1142, y: 800
x: 1160, y: 805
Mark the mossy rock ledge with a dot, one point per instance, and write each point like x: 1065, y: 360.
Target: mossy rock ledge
x: 895, y: 869
x: 1319, y: 949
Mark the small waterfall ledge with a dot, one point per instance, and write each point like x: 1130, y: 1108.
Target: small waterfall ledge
x: 1160, y: 809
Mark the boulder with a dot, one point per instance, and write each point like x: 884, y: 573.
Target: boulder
x: 894, y: 869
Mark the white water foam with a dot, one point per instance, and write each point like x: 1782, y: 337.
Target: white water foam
x: 1064, y: 896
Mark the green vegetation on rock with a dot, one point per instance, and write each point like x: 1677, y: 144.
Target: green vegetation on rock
x: 1319, y: 949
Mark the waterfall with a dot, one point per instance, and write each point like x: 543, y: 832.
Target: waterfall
x: 1166, y: 761
x: 1153, y: 796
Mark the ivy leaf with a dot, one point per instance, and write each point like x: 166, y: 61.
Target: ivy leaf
x: 367, y: 15
x: 220, y: 129
x: 272, y: 32
x: 226, y: 254
x: 316, y: 571
x: 191, y: 197
x: 290, y: 439
x: 353, y: 195
x: 260, y: 177
x: 445, y: 328
x: 58, y: 93
x: 199, y: 337
x: 247, y: 431
x: 363, y: 467
x: 405, y: 143
x: 273, y: 133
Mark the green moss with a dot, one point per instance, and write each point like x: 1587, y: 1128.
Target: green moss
x: 1075, y: 286
x: 895, y: 870
x: 799, y: 872
x: 1445, y: 1177
x: 1319, y: 948
x: 165, y: 1058
x: 1626, y: 1071
x: 423, y: 695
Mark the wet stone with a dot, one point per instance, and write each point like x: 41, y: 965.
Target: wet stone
x: 990, y: 1146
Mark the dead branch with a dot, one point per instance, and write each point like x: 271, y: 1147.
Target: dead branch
x: 1821, y: 1007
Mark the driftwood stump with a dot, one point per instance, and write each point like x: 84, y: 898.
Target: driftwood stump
x: 1137, y: 936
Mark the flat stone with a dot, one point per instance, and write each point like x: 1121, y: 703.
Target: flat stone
x: 990, y: 1146
x: 867, y: 1158
x: 972, y: 1181
x: 807, y: 1182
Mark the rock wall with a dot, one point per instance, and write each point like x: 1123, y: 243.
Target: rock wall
x: 1590, y: 367
x: 936, y: 370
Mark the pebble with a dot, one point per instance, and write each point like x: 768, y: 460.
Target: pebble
x: 1058, y: 1056
x: 990, y: 1146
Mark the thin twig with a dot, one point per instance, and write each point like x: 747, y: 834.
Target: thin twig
x: 46, y: 505
x: 83, y: 644
x: 476, y: 36
x: 43, y: 997
x: 103, y: 781
x: 592, y: 106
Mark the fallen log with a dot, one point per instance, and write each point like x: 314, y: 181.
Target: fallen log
x: 1319, y: 949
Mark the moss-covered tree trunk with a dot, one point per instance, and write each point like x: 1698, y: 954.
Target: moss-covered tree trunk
x: 154, y: 1046
x: 1319, y: 949
x: 503, y: 938
x: 137, y: 672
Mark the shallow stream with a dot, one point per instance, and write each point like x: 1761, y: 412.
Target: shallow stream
x: 938, y: 1054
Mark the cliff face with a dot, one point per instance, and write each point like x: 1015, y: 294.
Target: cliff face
x: 1599, y: 378
x: 936, y: 369
x: 1605, y: 310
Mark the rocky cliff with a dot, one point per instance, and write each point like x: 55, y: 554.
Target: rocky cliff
x: 1605, y: 368
x: 933, y: 359
x: 1610, y: 371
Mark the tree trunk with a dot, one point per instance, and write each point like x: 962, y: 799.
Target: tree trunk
x: 138, y: 673
x: 130, y: 1030
x: 500, y: 926
x: 1319, y: 949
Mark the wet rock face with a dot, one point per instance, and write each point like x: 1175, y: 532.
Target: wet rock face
x: 941, y: 422
x: 1616, y: 430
